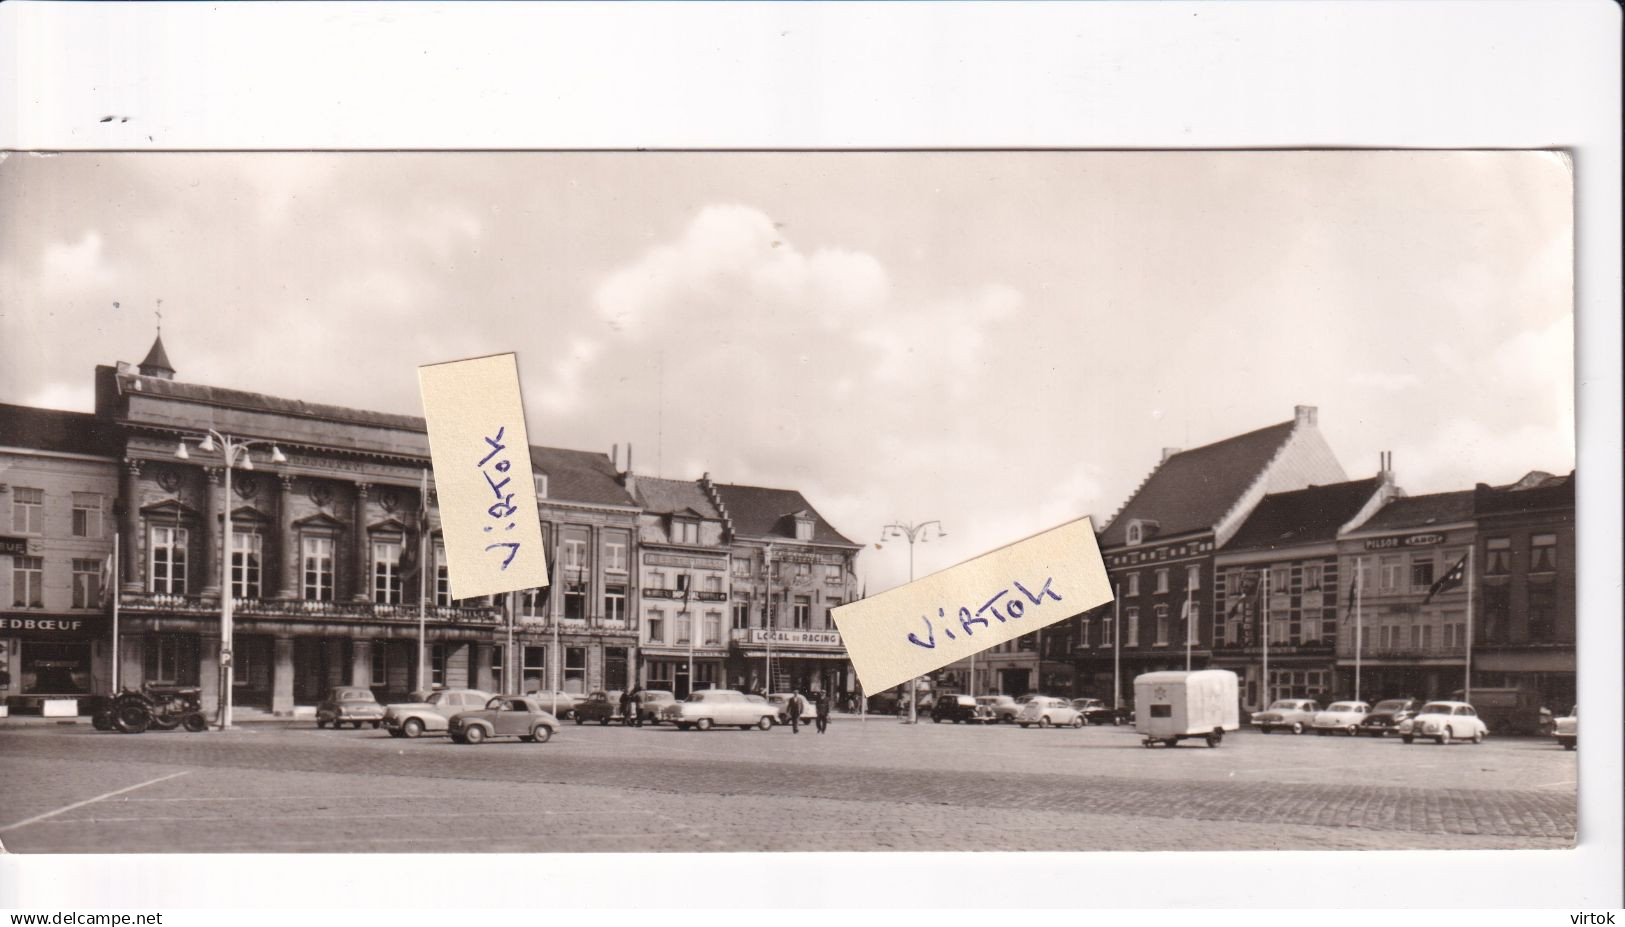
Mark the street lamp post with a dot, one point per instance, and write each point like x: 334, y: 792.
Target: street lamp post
x: 911, y: 533
x: 231, y: 451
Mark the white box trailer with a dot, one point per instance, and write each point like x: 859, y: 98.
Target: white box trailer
x: 1174, y: 706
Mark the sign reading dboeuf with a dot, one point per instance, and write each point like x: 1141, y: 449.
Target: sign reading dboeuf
x: 911, y: 630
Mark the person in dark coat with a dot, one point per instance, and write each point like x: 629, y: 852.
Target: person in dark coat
x: 822, y: 706
x: 628, y: 706
x: 794, y: 705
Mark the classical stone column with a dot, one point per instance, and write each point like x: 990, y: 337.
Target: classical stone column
x: 361, y: 663
x: 287, y: 542
x: 360, y: 569
x: 130, y: 526
x: 283, y: 678
x: 208, y: 672
x: 212, y: 528
x: 480, y: 671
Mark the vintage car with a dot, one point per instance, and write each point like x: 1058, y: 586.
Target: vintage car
x: 429, y: 711
x: 1386, y: 716
x: 353, y: 704
x: 1045, y: 711
x: 781, y: 701
x: 650, y: 703
x: 1290, y: 714
x: 1095, y: 711
x: 1003, y: 708
x: 960, y: 709
x: 599, y: 706
x: 558, y: 703
x: 709, y: 708
x: 1340, y: 716
x: 1567, y: 729
x: 1444, y: 722
x: 523, y: 716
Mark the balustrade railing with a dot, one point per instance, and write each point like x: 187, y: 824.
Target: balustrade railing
x: 308, y: 608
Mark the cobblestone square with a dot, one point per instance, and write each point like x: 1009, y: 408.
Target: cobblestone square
x: 870, y: 784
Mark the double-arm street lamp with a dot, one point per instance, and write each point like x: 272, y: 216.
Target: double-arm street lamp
x: 232, y: 451
x: 911, y: 533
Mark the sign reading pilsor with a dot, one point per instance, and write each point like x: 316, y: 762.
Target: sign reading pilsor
x: 911, y: 630
x: 481, y: 455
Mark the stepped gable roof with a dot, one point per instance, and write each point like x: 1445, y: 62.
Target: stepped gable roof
x: 759, y: 512
x: 580, y: 476
x: 1303, y: 516
x: 1192, y: 490
x: 1440, y: 508
x: 157, y: 357
x: 665, y: 497
x: 56, y: 430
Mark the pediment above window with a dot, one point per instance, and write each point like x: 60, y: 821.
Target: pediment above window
x: 168, y: 510
x: 320, y: 520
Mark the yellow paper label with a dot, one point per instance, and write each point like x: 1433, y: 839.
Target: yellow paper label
x: 909, y: 631
x: 481, y: 455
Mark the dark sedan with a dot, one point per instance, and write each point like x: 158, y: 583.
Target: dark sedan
x: 960, y: 709
x: 1385, y: 717
x: 600, y: 706
x: 1095, y: 711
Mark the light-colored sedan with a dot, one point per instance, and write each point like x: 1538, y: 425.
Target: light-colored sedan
x: 1287, y: 714
x: 1004, y: 707
x: 1045, y: 711
x: 1567, y: 729
x: 429, y: 711
x: 521, y: 716
x: 559, y: 703
x: 1340, y: 716
x: 710, y: 708
x: 1445, y: 722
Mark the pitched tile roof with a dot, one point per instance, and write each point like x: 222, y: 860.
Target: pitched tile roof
x: 1536, y: 491
x: 579, y: 476
x: 758, y: 512
x: 666, y: 496
x: 1440, y: 508
x: 55, y: 430
x: 1302, y: 516
x: 1193, y: 489
x: 259, y: 402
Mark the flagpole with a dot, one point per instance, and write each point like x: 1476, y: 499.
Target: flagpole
x: 1268, y: 695
x: 115, y: 594
x: 423, y: 576
x: 1359, y: 626
x: 1187, y: 624
x: 1467, y: 683
x: 1117, y: 653
x: 508, y: 658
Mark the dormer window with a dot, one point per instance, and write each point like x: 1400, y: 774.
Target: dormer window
x: 1141, y: 530
x: 804, y: 527
x: 685, y: 531
x: 541, y: 485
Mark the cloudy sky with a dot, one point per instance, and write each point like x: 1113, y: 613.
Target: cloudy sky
x: 999, y: 341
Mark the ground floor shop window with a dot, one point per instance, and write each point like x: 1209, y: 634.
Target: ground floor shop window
x: 1299, y: 683
x: 535, y: 669
x: 437, y: 664
x: 575, y: 669
x: 707, y: 675
x: 497, y: 679
x: 171, y: 659
x: 55, y: 667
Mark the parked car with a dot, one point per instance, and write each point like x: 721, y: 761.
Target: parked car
x: 781, y: 702
x: 1444, y: 722
x: 960, y: 709
x: 650, y: 703
x: 1095, y: 711
x: 1567, y: 729
x: 1511, y: 710
x: 1340, y: 716
x: 1045, y: 711
x: 709, y: 708
x: 1287, y: 714
x: 521, y: 716
x: 1003, y: 707
x: 1386, y: 716
x: 353, y: 704
x: 430, y: 710
x: 558, y: 703
x: 599, y: 706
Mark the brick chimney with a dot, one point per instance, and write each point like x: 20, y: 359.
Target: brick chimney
x: 1305, y: 415
x: 628, y: 478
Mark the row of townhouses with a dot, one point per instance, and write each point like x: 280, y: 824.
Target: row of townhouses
x: 1261, y: 545
x: 666, y: 583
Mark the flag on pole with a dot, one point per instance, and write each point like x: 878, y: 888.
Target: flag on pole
x: 104, y: 581
x: 1452, y: 578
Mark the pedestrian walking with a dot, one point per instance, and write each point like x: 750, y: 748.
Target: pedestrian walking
x: 629, y: 706
x: 794, y: 705
x: 823, y: 710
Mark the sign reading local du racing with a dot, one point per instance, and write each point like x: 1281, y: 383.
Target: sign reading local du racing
x: 911, y: 630
x: 481, y: 454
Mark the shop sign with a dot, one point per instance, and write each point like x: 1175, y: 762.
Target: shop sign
x: 791, y: 636
x: 50, y: 626
x: 16, y: 547
x: 1408, y: 540
x: 683, y: 563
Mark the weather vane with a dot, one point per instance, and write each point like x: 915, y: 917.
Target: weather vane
x: 159, y: 313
